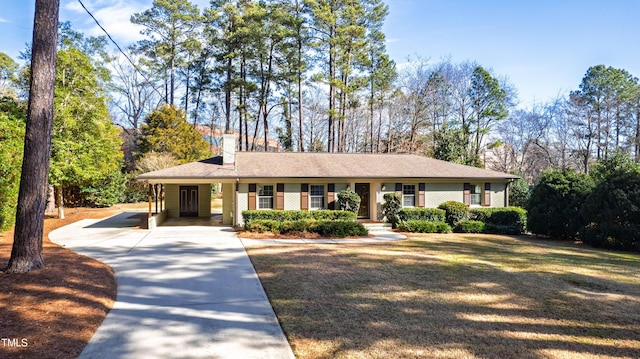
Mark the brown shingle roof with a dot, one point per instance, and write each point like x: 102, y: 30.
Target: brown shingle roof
x: 325, y: 165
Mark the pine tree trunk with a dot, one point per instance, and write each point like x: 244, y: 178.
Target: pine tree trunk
x: 26, y: 254
x: 60, y: 202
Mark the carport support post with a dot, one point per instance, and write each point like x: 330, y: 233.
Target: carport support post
x: 150, y: 194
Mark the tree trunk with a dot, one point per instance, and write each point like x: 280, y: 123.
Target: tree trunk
x: 300, y: 124
x: 172, y: 79
x: 60, y: 200
x: 26, y: 254
x: 227, y: 98
x: 332, y: 96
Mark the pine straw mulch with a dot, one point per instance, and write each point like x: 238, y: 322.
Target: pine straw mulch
x: 54, y: 312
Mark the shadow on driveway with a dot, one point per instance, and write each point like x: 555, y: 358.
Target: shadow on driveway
x: 183, y: 292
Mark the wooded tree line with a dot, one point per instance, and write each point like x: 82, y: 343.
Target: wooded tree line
x: 252, y: 67
x: 86, y: 156
x: 600, y: 119
x: 314, y: 74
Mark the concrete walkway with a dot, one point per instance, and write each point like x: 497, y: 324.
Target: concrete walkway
x: 183, y: 292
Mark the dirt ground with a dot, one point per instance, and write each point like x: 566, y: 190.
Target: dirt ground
x: 53, y: 312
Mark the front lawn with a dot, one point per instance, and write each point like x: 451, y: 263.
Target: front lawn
x: 454, y: 296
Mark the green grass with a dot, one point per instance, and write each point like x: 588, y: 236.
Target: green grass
x: 453, y: 296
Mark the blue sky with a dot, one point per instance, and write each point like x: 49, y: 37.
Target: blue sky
x: 544, y: 47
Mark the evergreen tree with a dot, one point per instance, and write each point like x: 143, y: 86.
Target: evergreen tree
x: 166, y: 130
x: 612, y: 210
x: 555, y: 203
x: 489, y: 103
x: 169, y: 26
x: 85, y: 146
x: 11, y: 147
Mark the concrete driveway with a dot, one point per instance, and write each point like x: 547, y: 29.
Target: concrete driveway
x: 183, y: 292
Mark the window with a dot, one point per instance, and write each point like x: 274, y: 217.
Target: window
x: 316, y: 197
x: 408, y: 195
x: 265, y: 197
x: 476, y: 195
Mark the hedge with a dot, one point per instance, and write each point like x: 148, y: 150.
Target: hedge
x: 454, y: 212
x: 424, y: 214
x: 341, y: 229
x: 507, y: 220
x: 421, y: 226
x: 330, y: 228
x: 469, y: 226
x: 293, y: 215
x: 263, y: 225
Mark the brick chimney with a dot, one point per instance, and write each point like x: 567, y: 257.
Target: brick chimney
x: 228, y: 149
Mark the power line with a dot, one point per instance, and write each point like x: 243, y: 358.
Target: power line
x: 119, y: 48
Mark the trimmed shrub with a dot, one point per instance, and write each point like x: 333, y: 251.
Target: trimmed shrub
x: 500, y: 229
x: 340, y: 229
x: 507, y: 220
x: 469, y: 226
x: 424, y: 214
x: 420, y: 226
x: 293, y: 215
x: 454, y: 212
x: 299, y: 226
x: 391, y: 208
x: 327, y: 228
x: 555, y: 203
x: 263, y: 225
x: 348, y: 200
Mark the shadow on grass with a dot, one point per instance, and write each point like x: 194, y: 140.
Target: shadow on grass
x: 453, y: 296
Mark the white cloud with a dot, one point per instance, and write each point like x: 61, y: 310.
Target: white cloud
x: 3, y: 20
x: 114, y: 16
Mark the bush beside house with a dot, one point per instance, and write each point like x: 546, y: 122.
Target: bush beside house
x: 348, y: 200
x: 454, y: 212
x: 391, y: 208
x: 423, y: 214
x: 422, y: 226
x: 507, y: 220
x: 323, y: 222
x: 293, y: 215
x: 470, y: 226
x: 456, y: 215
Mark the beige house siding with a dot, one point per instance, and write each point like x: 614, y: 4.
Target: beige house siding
x: 498, y: 194
x: 172, y: 200
x: 292, y: 196
x: 437, y: 193
x: 236, y: 202
x: 242, y: 201
x: 204, y: 200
